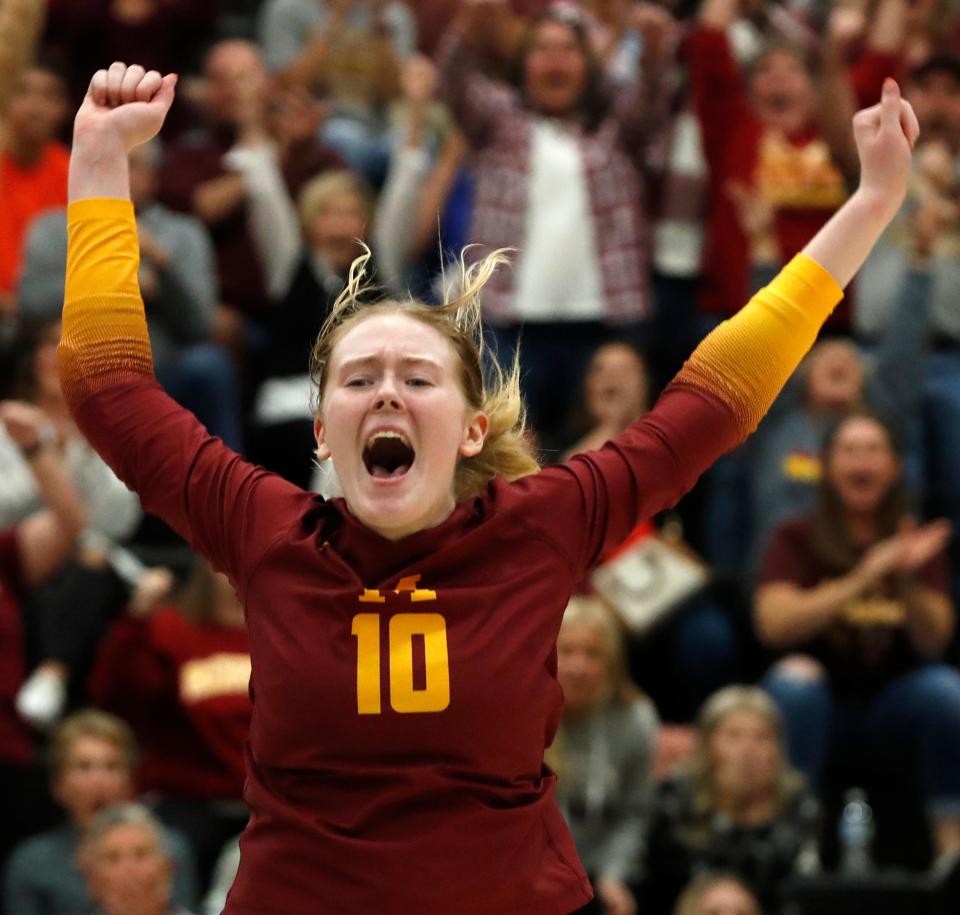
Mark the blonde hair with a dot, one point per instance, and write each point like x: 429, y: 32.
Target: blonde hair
x: 95, y: 724
x: 713, y: 713
x: 697, y: 889
x: 319, y: 191
x: 586, y: 610
x: 487, y: 386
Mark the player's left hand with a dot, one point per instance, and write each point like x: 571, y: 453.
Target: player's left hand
x: 617, y: 899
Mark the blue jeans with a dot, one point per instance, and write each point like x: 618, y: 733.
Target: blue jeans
x: 201, y: 378
x: 918, y: 712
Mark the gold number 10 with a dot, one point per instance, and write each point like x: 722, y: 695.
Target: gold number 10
x: 435, y: 696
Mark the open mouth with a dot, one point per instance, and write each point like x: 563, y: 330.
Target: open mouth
x: 388, y: 455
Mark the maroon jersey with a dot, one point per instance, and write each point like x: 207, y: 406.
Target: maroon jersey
x: 404, y: 692
x: 183, y: 687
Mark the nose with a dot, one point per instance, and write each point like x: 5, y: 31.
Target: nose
x: 387, y: 395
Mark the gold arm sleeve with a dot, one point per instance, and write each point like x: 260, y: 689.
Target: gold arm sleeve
x: 104, y: 335
x: 747, y: 360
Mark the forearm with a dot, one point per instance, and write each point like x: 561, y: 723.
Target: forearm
x: 219, y: 198
x: 929, y: 619
x: 786, y: 616
x: 57, y: 491
x: 888, y: 27
x: 843, y: 244
x: 719, y: 14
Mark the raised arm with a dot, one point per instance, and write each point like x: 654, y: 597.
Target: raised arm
x: 229, y: 510
x: 734, y: 375
x: 47, y: 537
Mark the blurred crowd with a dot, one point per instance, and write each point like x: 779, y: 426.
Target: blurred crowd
x: 762, y: 687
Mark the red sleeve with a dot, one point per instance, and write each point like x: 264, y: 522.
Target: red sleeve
x: 227, y: 509
x: 719, y: 97
x: 591, y: 504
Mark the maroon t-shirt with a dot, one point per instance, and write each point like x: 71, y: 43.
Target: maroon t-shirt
x: 183, y: 686
x: 404, y: 692
x: 870, y: 647
x: 16, y: 744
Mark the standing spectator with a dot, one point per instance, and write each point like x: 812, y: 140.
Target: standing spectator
x: 127, y: 863
x: 736, y: 807
x: 21, y: 22
x: 760, y: 129
x: 30, y: 552
x: 557, y: 171
x: 93, y: 761
x: 180, y: 675
x: 179, y: 285
x: 603, y: 752
x: 861, y: 593
x: 33, y: 165
x: 196, y: 176
x: 350, y: 50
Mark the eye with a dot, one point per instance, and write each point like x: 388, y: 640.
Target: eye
x: 419, y: 382
x: 360, y: 381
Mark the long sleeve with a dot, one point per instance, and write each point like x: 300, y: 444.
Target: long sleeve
x: 713, y: 404
x: 477, y: 103
x: 229, y: 510
x: 273, y: 219
x: 396, y: 214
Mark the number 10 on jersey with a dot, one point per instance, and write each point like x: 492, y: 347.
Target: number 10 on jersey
x: 434, y: 696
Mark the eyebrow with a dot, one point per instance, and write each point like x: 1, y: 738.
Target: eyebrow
x: 359, y: 361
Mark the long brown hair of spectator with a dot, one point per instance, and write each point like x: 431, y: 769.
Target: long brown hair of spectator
x: 596, y: 99
x: 98, y: 725
x: 714, y: 711
x: 831, y: 538
x: 487, y: 386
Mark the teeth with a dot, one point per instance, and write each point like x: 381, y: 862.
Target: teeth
x: 388, y: 434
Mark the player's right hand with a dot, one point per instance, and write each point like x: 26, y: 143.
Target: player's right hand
x: 124, y: 106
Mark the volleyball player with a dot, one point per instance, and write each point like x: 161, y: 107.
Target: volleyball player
x: 403, y: 637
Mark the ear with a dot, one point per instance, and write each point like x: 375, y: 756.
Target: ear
x: 323, y: 452
x: 474, y: 435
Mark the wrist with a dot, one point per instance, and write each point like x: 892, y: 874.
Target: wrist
x: 879, y: 203
x: 46, y: 439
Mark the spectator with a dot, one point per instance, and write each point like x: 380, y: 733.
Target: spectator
x: 861, y: 592
x: 21, y: 22
x: 582, y: 272
x: 603, y: 751
x: 179, y: 286
x: 717, y: 894
x: 736, y: 807
x: 33, y: 164
x: 180, y: 675
x: 29, y: 553
x: 197, y: 178
x: 309, y: 253
x: 127, y: 863
x: 93, y: 759
x: 68, y: 614
x: 351, y: 50
x: 762, y: 130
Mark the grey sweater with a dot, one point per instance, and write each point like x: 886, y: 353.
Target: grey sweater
x: 604, y: 787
